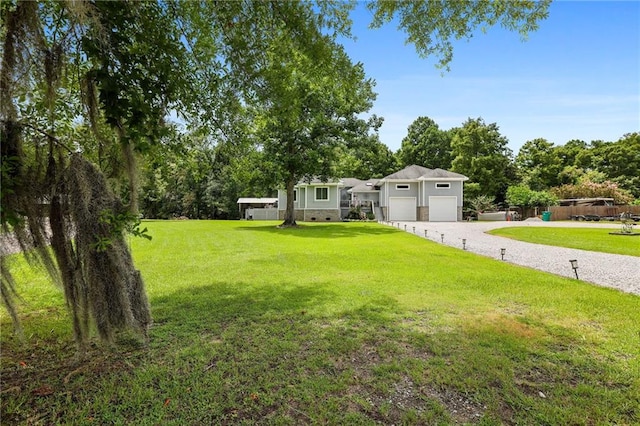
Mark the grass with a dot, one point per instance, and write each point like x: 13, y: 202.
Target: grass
x: 352, y: 323
x: 591, y: 239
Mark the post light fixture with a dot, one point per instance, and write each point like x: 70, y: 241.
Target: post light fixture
x: 414, y: 229
x: 502, y: 252
x: 574, y: 265
x: 425, y: 233
x: 464, y: 244
x: 442, y: 237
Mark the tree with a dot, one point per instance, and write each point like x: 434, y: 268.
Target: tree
x: 538, y: 164
x: 431, y: 26
x: 568, y: 153
x: 481, y: 153
x: 426, y: 145
x: 369, y: 158
x: 620, y: 162
x: 523, y: 196
x: 586, y: 188
x: 311, y: 106
x: 121, y: 67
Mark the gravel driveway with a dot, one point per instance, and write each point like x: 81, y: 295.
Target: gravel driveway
x: 609, y: 270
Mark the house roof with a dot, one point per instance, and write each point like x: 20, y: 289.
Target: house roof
x: 351, y: 182
x: 366, y: 186
x: 408, y: 173
x: 442, y: 174
x: 415, y: 172
x: 317, y: 180
x: 257, y: 200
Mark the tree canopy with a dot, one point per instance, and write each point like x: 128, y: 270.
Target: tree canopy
x: 480, y: 152
x: 426, y: 144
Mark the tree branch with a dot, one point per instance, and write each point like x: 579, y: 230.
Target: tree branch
x: 45, y: 133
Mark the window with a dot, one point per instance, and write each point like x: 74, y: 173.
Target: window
x: 443, y: 185
x: 402, y: 186
x: 322, y: 193
x: 295, y: 195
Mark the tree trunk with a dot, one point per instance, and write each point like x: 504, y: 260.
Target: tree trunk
x: 289, y: 214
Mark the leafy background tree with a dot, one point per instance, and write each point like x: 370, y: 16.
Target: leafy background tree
x: 480, y: 152
x: 426, y: 145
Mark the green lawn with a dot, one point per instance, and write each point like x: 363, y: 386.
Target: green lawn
x: 592, y: 239
x: 346, y: 323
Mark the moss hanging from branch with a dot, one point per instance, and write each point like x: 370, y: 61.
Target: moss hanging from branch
x: 100, y: 281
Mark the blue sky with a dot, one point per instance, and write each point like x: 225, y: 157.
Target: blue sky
x: 577, y: 77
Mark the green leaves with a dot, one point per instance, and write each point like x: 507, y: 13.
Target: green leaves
x: 117, y: 224
x: 481, y: 153
x: 431, y: 26
x: 426, y: 145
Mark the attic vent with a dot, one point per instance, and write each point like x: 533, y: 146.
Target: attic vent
x: 369, y: 183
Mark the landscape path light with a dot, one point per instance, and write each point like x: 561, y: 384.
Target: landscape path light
x: 425, y: 233
x: 405, y: 226
x: 464, y: 244
x: 574, y: 265
x: 502, y: 252
x: 414, y: 229
x: 442, y: 237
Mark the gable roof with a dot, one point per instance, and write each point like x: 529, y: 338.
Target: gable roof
x: 366, y: 186
x: 442, y: 174
x: 414, y: 172
x: 351, y: 182
x: 408, y: 173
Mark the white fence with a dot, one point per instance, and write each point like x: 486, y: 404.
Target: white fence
x: 261, y: 214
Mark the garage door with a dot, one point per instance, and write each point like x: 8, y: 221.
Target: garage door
x: 402, y: 208
x: 443, y: 209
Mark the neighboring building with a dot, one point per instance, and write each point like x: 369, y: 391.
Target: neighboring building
x: 413, y: 193
x: 258, y: 208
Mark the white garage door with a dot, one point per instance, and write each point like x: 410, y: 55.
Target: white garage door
x: 443, y: 209
x: 402, y: 208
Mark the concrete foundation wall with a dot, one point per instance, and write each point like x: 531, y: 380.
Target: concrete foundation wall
x: 322, y: 215
x: 297, y: 214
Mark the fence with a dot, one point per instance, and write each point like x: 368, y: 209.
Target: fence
x: 262, y: 214
x: 565, y: 212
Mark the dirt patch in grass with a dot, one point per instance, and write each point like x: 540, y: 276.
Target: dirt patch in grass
x: 400, y: 398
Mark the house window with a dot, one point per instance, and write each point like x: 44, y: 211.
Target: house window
x: 295, y: 195
x: 322, y: 193
x: 443, y: 185
x: 402, y: 186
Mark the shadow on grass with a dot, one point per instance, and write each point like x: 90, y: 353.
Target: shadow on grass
x: 249, y: 353
x: 332, y: 230
x: 220, y: 303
